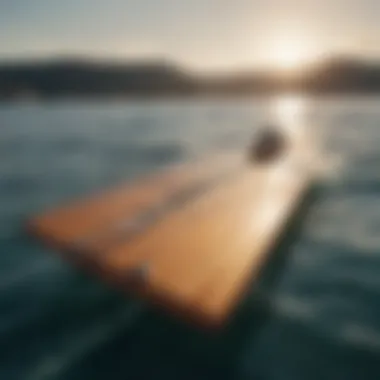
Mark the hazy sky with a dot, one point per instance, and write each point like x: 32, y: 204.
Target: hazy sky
x: 202, y: 34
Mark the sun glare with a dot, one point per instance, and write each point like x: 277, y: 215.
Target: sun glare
x: 289, y: 110
x: 288, y: 55
x: 288, y: 58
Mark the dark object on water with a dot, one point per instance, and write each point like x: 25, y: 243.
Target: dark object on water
x: 269, y: 145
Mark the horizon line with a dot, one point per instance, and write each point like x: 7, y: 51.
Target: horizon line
x: 87, y: 58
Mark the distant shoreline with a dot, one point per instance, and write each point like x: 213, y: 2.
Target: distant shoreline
x: 365, y: 97
x: 79, y: 79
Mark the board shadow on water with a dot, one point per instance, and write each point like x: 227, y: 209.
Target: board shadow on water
x: 156, y: 346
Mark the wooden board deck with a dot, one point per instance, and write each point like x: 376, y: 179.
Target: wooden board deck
x: 96, y: 220
x: 197, y: 258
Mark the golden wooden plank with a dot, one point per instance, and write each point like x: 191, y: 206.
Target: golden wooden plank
x: 94, y: 219
x: 197, y: 260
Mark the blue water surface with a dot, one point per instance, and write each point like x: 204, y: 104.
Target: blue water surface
x: 322, y: 319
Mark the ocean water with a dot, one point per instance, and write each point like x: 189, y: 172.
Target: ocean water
x: 320, y: 316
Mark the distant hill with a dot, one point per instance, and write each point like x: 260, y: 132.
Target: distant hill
x: 85, y: 78
x: 343, y: 76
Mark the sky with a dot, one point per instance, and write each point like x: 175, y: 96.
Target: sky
x: 199, y: 34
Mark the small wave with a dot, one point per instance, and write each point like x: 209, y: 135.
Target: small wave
x: 20, y: 276
x: 361, y: 337
x: 297, y: 308
x: 90, y: 340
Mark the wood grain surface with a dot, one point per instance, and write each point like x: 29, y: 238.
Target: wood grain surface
x: 95, y: 217
x: 197, y: 259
